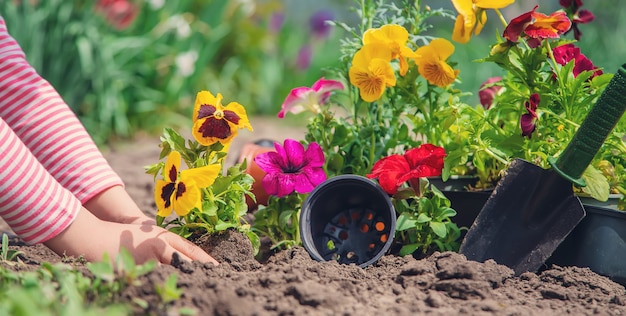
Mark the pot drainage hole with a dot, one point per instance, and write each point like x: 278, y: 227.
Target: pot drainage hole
x: 354, y: 236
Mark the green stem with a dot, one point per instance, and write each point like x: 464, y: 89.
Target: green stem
x: 560, y: 118
x: 502, y: 19
x: 492, y: 154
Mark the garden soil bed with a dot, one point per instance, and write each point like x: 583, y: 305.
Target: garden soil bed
x: 291, y: 283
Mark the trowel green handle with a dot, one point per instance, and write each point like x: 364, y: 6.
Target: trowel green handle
x: 593, y: 131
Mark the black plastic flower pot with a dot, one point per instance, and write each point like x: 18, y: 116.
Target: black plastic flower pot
x: 349, y: 219
x: 467, y: 204
x: 598, y: 242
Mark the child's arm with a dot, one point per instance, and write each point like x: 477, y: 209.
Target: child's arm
x: 39, y: 209
x: 46, y: 125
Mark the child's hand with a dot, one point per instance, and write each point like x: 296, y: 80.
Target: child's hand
x: 91, y: 237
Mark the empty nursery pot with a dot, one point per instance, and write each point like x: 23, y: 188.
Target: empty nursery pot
x: 349, y: 219
x: 598, y: 242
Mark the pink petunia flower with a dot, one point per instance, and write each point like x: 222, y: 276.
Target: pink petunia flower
x: 528, y: 121
x: 292, y: 168
x: 305, y: 98
x: 392, y: 171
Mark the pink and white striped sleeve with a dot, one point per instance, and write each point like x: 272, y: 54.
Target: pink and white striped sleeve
x: 46, y: 125
x: 32, y: 202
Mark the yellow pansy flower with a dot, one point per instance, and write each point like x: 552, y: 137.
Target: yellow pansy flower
x: 472, y: 17
x: 213, y: 122
x: 432, y: 63
x: 180, y: 190
x: 371, y: 71
x: 395, y: 37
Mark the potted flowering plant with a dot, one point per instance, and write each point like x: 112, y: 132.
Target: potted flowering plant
x: 532, y: 111
x: 394, y: 92
x: 381, y: 117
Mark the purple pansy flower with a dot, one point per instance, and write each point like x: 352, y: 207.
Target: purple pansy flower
x: 528, y: 120
x: 305, y: 98
x: 292, y: 168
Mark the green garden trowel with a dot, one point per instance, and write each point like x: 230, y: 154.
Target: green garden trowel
x: 532, y: 209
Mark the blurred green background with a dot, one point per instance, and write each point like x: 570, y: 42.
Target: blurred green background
x: 127, y: 66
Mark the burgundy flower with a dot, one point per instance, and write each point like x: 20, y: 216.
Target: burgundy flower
x: 578, y: 16
x: 488, y: 91
x: 565, y: 53
x: 392, y: 171
x: 528, y: 120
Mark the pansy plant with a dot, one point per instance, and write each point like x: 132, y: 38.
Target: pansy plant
x: 205, y: 198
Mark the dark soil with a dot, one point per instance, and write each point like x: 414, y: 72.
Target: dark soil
x: 291, y: 283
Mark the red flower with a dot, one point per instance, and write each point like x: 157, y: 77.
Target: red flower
x: 565, y: 53
x: 392, y: 171
x: 528, y: 120
x: 537, y: 26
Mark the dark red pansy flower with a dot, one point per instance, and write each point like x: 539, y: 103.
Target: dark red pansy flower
x: 528, y: 120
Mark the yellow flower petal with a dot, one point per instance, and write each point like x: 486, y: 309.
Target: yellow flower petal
x: 461, y: 33
x: 493, y: 4
x: 432, y: 63
x: 188, y: 196
x: 204, y: 98
x: 202, y: 176
x: 480, y: 23
x: 372, y: 80
x: 464, y: 7
x: 172, y: 166
x: 241, y: 113
x: 387, y: 33
x: 442, y: 48
x: 369, y: 52
x: 163, y: 199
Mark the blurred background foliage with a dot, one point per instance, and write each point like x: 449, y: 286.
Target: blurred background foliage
x: 126, y: 66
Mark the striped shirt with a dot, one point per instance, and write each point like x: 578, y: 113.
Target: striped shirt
x: 49, y: 165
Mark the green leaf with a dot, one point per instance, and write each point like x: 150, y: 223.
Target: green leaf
x: 423, y: 218
x: 102, y: 269
x: 446, y: 212
x: 222, y: 226
x: 597, y: 184
x: 405, y: 222
x: 438, y: 228
x: 408, y: 249
x: 169, y: 292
